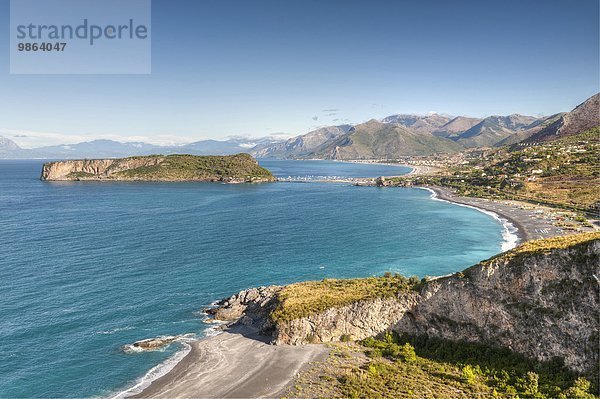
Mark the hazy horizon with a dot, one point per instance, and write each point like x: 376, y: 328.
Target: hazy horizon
x: 32, y: 140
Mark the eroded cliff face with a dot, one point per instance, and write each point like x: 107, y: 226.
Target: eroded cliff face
x: 94, y: 168
x: 356, y: 321
x: 541, y: 305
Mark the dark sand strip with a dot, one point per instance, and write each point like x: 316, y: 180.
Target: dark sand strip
x: 232, y: 365
x: 530, y: 225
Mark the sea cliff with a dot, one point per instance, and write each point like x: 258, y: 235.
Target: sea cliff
x: 239, y: 168
x: 539, y: 300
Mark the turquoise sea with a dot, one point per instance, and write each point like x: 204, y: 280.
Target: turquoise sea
x: 88, y: 267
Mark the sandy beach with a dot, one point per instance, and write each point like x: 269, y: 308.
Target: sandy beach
x: 236, y: 363
x: 422, y: 170
x: 532, y: 222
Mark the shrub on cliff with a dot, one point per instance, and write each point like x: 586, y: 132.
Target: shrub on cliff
x: 407, y: 352
x: 579, y: 390
x: 479, y: 365
x: 468, y: 374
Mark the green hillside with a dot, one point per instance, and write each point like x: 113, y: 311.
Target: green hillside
x: 374, y: 139
x: 191, y: 167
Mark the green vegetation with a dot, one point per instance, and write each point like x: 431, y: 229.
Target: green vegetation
x: 405, y: 366
x: 191, y: 167
x: 306, y: 298
x: 500, y: 369
x: 422, y: 367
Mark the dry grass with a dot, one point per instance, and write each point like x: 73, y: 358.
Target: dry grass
x: 579, y: 191
x: 544, y: 245
x: 303, y: 299
x: 561, y: 242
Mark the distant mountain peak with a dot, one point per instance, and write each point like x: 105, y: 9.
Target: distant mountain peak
x: 7, y: 144
x: 419, y: 123
x: 304, y: 145
x: 583, y: 117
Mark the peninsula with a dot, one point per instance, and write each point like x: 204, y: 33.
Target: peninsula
x: 239, y: 168
x: 521, y: 323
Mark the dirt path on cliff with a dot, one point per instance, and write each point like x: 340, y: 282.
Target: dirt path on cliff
x: 232, y: 365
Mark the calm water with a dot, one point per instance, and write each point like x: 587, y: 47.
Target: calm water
x: 88, y: 267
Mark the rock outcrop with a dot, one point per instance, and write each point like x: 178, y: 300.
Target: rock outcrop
x: 152, y: 344
x: 356, y: 321
x: 95, y: 168
x: 540, y: 303
x: 249, y: 307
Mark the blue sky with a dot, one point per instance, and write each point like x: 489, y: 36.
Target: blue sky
x: 257, y: 68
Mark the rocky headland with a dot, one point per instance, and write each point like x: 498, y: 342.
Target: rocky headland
x: 539, y: 300
x: 239, y: 168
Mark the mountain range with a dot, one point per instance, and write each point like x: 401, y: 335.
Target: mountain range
x: 391, y: 137
x: 115, y: 149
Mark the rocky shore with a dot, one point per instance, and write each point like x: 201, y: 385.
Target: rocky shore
x: 539, y: 300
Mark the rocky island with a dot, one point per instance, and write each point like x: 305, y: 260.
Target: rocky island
x: 239, y: 168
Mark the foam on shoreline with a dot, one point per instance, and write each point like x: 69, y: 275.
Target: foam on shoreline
x: 161, y: 369
x: 509, y: 231
x: 155, y: 372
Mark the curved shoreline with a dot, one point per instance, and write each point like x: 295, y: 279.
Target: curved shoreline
x: 201, y: 352
x: 524, y: 231
x: 199, y: 361
x: 155, y: 373
x: 188, y: 345
x: 513, y: 232
x: 160, y: 380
